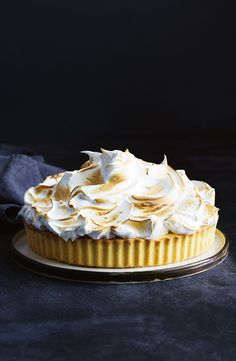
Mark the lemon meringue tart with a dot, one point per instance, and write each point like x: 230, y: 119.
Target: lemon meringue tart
x: 119, y: 211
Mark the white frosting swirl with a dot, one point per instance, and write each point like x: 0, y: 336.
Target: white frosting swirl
x: 116, y: 194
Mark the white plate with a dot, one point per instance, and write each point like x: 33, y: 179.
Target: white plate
x: 26, y: 258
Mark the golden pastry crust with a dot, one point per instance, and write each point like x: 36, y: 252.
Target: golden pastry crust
x: 119, y: 252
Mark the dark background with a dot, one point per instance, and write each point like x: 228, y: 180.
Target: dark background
x: 156, y: 77
x: 112, y: 73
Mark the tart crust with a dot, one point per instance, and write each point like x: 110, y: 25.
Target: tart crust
x: 119, y: 252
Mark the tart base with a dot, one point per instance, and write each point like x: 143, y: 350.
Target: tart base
x: 119, y: 252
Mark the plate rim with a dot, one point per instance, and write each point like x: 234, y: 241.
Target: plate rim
x: 130, y: 276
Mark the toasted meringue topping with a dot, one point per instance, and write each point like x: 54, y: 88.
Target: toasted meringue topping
x: 115, y: 194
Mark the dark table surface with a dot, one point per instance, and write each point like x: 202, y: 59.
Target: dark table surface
x: 192, y: 318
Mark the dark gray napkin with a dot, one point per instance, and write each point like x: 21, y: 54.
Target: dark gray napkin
x: 20, y: 169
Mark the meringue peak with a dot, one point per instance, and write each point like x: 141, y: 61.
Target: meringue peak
x: 116, y: 194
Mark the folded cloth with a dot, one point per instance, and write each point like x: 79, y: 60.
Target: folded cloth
x: 19, y: 169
